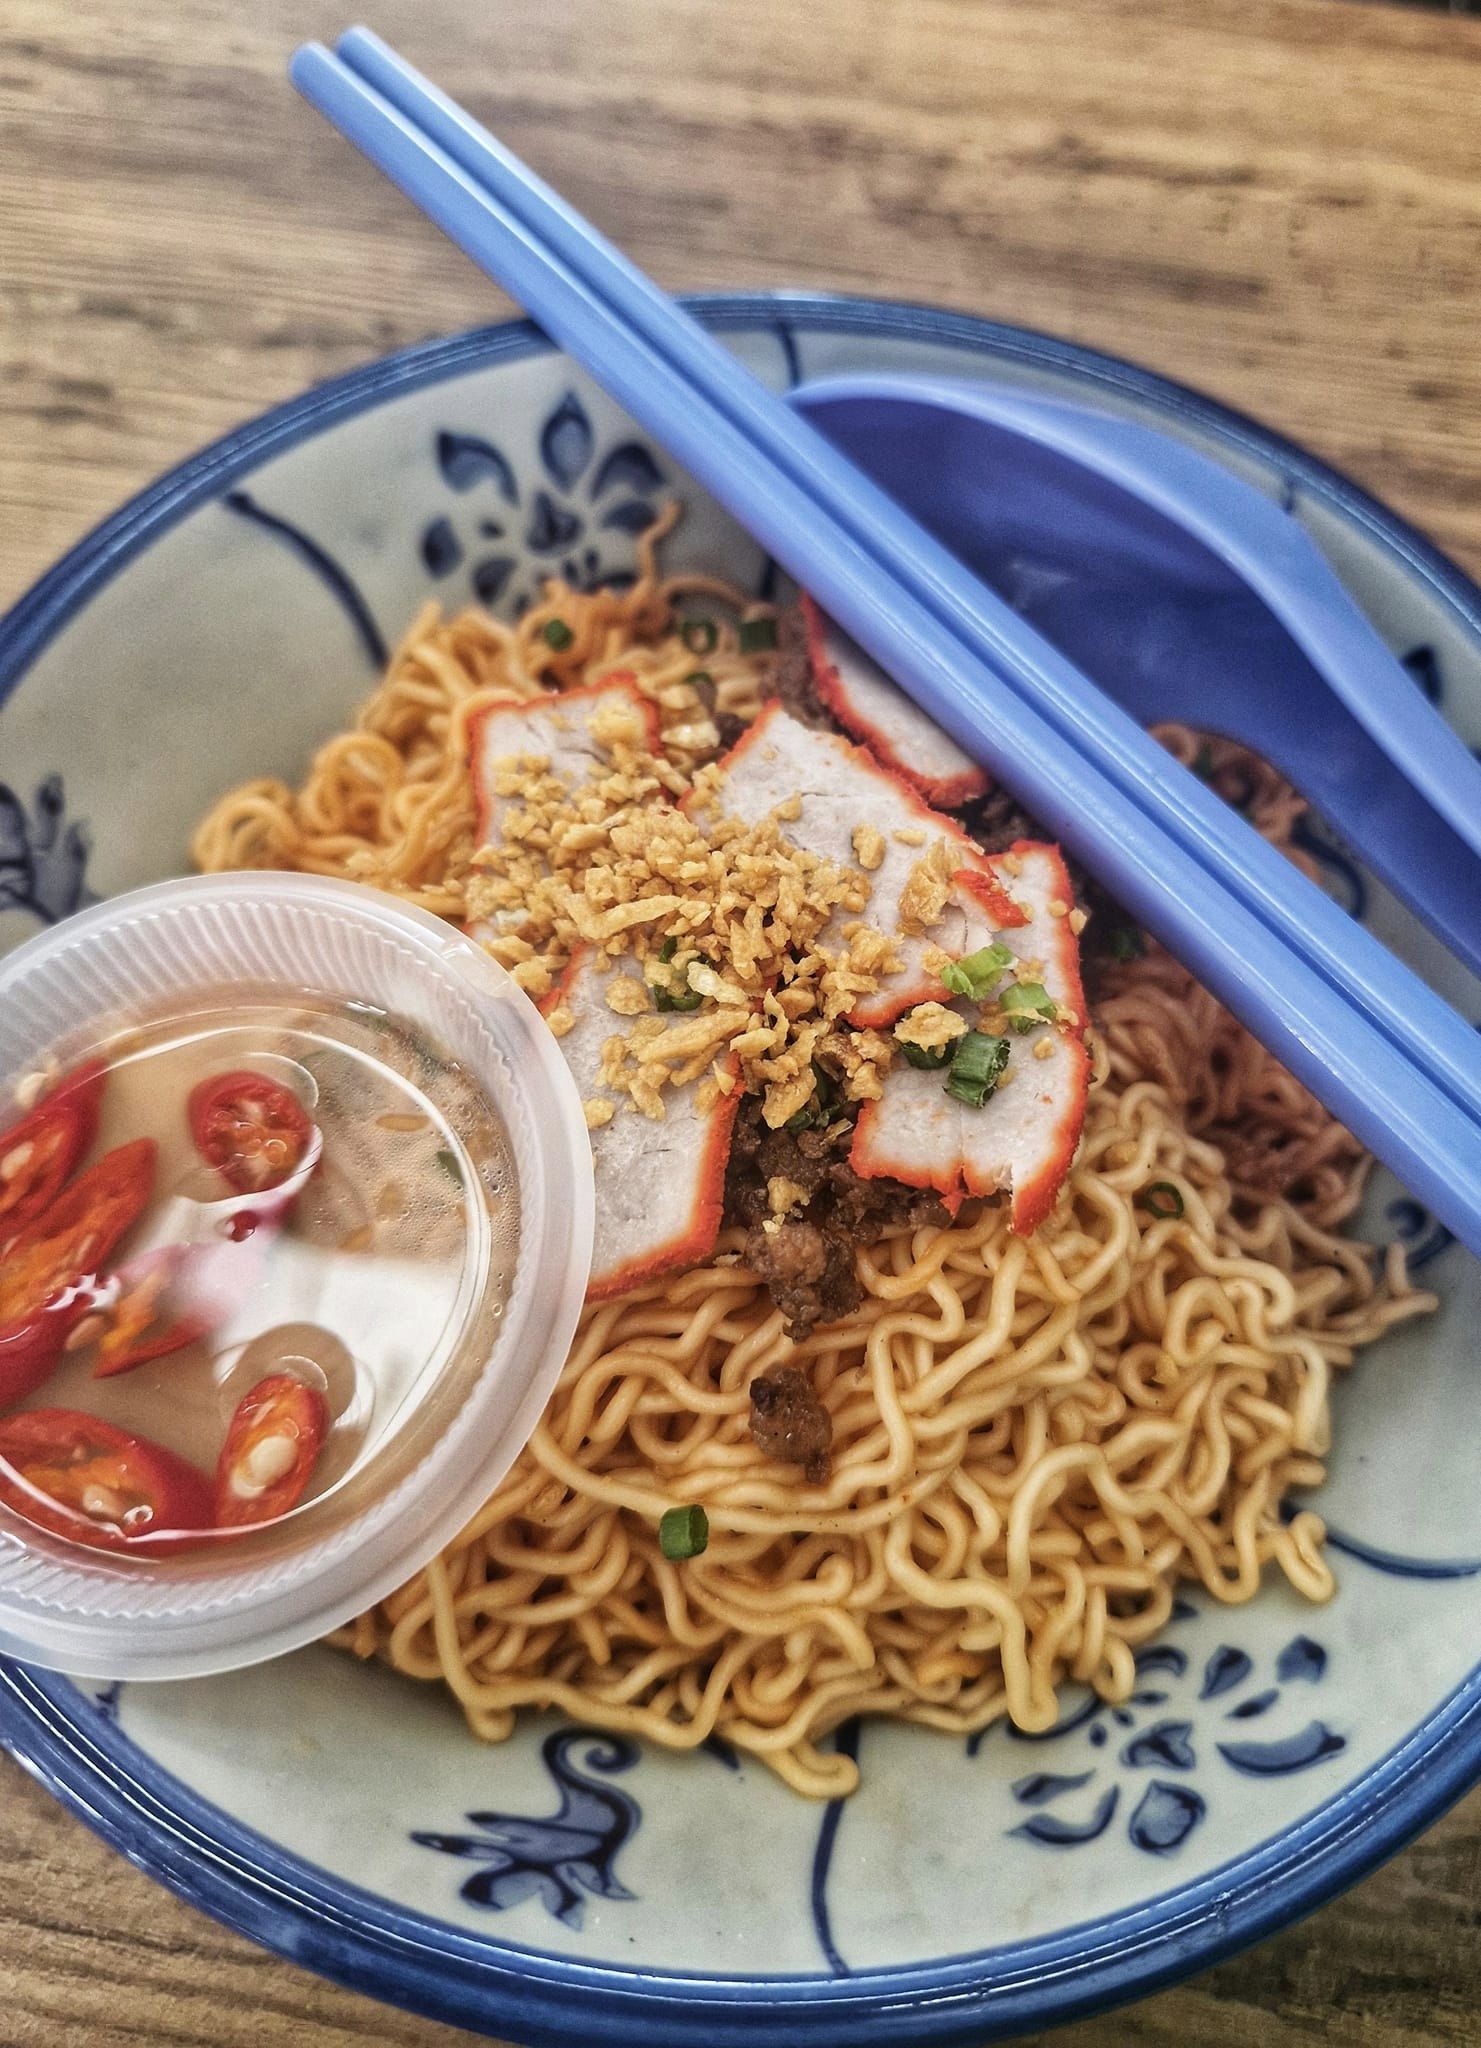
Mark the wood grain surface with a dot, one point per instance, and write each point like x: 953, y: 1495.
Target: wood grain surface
x: 1277, y: 200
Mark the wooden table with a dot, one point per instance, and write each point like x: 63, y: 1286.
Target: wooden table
x: 1278, y: 200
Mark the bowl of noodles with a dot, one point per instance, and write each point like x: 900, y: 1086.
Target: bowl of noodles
x: 1003, y: 1535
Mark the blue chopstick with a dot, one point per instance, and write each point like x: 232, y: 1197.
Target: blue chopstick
x: 548, y: 229
x: 1401, y: 1070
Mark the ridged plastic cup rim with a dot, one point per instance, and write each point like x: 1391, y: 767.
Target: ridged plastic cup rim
x: 53, y: 1595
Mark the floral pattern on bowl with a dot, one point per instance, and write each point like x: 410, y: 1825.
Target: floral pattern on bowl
x: 559, y: 531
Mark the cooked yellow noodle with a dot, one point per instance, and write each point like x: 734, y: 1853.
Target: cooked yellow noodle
x: 1034, y: 1441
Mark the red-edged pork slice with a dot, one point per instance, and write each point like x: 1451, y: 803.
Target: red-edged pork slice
x: 1021, y: 899
x: 842, y: 788
x: 893, y: 726
x: 1021, y: 1140
x: 1033, y: 873
x: 1001, y: 898
x: 1024, y: 1136
x: 558, y: 729
x: 660, y: 1183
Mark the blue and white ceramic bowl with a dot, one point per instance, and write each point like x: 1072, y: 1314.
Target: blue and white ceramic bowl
x: 574, y: 1887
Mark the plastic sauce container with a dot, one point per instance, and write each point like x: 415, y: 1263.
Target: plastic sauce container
x: 410, y: 1274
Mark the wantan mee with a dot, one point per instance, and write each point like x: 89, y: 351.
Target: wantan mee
x: 955, y: 1297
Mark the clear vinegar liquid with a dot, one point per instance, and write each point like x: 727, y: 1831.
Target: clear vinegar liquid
x: 381, y: 1287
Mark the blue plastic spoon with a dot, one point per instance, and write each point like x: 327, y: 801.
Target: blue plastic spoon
x: 1187, y: 595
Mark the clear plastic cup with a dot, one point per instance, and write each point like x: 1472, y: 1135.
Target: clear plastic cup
x: 189, y: 943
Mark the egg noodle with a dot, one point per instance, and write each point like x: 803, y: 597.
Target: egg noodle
x: 1035, y: 1440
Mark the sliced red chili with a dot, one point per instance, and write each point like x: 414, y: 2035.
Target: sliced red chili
x: 83, y: 1478
x: 30, y: 1351
x: 38, y: 1153
x: 139, y: 1325
x: 270, y: 1451
x: 76, y: 1235
x: 252, y: 1130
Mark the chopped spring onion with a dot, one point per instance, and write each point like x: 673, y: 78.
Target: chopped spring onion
x: 820, y: 1108
x: 1027, y: 1003
x: 927, y: 1057
x: 977, y: 1067
x: 975, y: 974
x: 1127, y: 943
x: 700, y: 636
x: 673, y: 992
x: 448, y: 1161
x: 931, y: 1058
x: 557, y: 634
x: 1163, y: 1199
x: 757, y: 636
x: 700, y: 679
x: 683, y: 1532
x: 681, y: 998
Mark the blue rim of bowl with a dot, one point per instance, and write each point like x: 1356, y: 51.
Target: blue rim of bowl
x: 430, y: 1966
